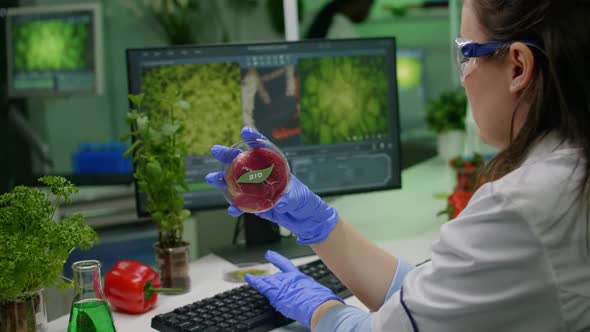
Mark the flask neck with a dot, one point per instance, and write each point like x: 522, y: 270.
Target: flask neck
x: 87, y: 282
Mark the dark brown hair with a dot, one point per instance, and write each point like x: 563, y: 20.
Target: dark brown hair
x: 559, y: 94
x: 322, y: 22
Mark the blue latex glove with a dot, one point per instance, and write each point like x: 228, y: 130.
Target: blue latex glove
x: 291, y: 292
x: 298, y: 210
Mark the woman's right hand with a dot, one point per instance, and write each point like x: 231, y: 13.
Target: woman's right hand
x: 298, y: 210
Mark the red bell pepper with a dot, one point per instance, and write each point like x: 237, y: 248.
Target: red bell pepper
x: 133, y: 287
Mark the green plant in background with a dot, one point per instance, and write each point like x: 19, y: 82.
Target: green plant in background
x: 213, y: 96
x: 50, y: 45
x: 159, y: 157
x: 33, y: 246
x: 343, y: 98
x: 447, y: 111
x: 176, y: 17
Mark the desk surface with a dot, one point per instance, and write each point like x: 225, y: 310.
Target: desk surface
x: 402, y: 222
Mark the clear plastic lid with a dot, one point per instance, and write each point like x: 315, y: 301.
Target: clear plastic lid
x: 257, y: 177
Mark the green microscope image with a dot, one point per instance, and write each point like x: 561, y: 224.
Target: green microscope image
x: 51, y: 45
x: 211, y: 95
x: 343, y: 98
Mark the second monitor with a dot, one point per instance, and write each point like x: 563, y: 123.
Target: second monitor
x: 331, y: 106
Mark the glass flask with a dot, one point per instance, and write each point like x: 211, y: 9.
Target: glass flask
x: 90, y: 310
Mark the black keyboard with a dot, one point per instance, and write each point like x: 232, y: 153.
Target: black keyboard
x: 239, y: 309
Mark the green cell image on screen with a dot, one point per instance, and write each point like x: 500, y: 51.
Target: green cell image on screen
x: 51, y: 45
x: 342, y: 98
x: 212, y: 91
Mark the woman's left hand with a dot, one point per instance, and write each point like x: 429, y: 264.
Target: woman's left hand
x: 291, y: 292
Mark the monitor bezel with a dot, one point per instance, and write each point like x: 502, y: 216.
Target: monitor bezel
x: 397, y: 127
x: 96, y: 10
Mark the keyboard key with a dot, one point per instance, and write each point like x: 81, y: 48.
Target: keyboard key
x: 181, y: 310
x: 258, y: 320
x: 241, y: 327
x: 249, y: 314
x: 212, y: 329
x: 171, y: 319
x: 193, y: 328
x: 184, y: 324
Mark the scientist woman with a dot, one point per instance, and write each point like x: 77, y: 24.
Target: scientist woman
x: 518, y: 257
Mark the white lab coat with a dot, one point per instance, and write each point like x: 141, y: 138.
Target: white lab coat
x: 516, y: 259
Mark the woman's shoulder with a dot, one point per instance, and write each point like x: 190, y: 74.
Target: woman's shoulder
x: 546, y: 187
x: 551, y: 168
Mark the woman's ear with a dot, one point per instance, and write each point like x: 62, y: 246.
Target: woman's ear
x: 522, y: 65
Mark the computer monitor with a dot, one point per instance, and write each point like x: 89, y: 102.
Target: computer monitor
x: 412, y: 99
x: 331, y: 106
x: 54, y: 50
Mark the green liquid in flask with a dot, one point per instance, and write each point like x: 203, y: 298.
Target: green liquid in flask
x: 91, y: 316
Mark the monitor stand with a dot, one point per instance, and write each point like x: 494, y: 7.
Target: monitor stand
x: 261, y: 235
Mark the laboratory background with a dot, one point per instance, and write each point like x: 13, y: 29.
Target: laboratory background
x: 365, y: 107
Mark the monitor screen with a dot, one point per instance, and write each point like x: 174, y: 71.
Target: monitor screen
x: 410, y: 83
x: 331, y: 106
x: 54, y: 50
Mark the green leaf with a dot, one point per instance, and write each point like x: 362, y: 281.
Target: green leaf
x: 132, y: 116
x: 131, y: 149
x: 440, y: 195
x: 136, y: 100
x: 256, y: 176
x: 170, y: 129
x: 125, y: 137
x: 185, y: 214
x: 154, y: 168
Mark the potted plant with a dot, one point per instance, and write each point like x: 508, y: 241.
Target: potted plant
x: 445, y: 115
x: 468, y: 179
x: 159, y: 156
x: 33, y: 250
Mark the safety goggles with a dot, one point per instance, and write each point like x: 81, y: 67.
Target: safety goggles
x: 466, y: 51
